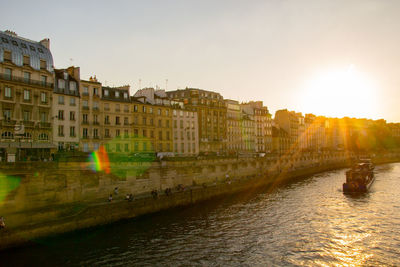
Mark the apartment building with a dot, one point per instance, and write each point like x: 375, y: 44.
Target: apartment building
x: 65, y: 111
x: 211, y: 110
x: 26, y: 89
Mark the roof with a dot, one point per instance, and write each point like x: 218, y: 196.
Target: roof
x: 20, y: 46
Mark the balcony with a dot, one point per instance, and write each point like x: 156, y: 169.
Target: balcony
x: 26, y: 81
x: 85, y: 122
x: 96, y: 123
x: 85, y: 108
x: 45, y: 125
x: 28, y: 123
x: 9, y: 122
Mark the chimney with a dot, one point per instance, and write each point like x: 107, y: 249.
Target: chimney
x: 46, y: 43
x: 74, y: 72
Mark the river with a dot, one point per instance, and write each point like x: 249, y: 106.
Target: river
x: 305, y: 223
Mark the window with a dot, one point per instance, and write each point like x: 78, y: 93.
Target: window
x: 117, y: 133
x: 61, y: 99
x: 144, y: 121
x: 95, y: 121
x: 7, y: 135
x: 106, y: 93
x: 144, y: 109
x: 95, y: 105
x: 135, y: 133
x: 7, y: 92
x: 151, y: 121
x: 160, y: 135
x: 43, y: 80
x: 61, y: 115
x: 27, y: 77
x: 60, y: 130
x: 159, y: 123
x: 144, y: 133
x: 116, y: 94
x: 159, y: 111
x: 106, y: 106
x: 181, y: 123
x: 166, y: 112
x: 117, y: 108
x: 72, y: 86
x: 43, y: 136
x: 167, y: 123
x: 96, y: 91
x: 72, y: 115
x: 72, y: 101
x: 7, y: 114
x: 117, y: 122
x: 106, y: 132
x: 167, y: 135
x: 85, y: 118
x: 126, y: 147
x: 107, y: 119
x: 96, y: 133
x: 61, y: 84
x: 7, y: 56
x: 136, y: 146
x: 151, y: 110
x: 43, y: 64
x: 126, y: 121
x: 152, y: 134
x: 85, y: 90
x: 85, y: 104
x: 126, y: 108
x: 27, y: 115
x: 7, y: 73
x: 135, y: 108
x: 27, y: 95
x: 125, y: 95
x: 43, y: 97
x: 175, y: 124
x: 32, y: 48
x: 39, y: 49
x: 144, y: 146
x: 174, y: 112
x: 126, y: 133
x: 43, y: 117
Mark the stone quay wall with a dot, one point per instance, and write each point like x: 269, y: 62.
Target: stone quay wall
x: 52, y: 198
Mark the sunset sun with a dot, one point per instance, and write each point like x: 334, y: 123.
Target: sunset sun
x: 342, y: 92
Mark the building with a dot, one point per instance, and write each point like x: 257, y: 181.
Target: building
x: 114, y: 119
x: 288, y: 121
x: 280, y: 140
x: 153, y: 114
x: 91, y: 122
x: 247, y: 129
x: 185, y: 130
x: 233, y: 123
x: 211, y: 110
x: 262, y: 124
x: 65, y: 111
x: 26, y: 89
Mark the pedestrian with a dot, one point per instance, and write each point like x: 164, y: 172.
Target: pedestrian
x: 116, y: 190
x: 110, y: 198
x: 2, y: 223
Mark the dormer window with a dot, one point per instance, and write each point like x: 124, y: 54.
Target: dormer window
x: 42, y: 64
x: 32, y: 48
x: 40, y: 50
x: 24, y: 45
x: 61, y: 84
x: 72, y: 86
x: 14, y: 43
x: 125, y: 95
x: 106, y: 92
x: 65, y: 76
x: 4, y: 40
x: 116, y: 94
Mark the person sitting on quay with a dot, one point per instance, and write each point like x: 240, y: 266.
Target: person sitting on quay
x: 116, y: 190
x: 130, y: 197
x: 110, y: 198
x: 2, y: 223
x: 127, y: 197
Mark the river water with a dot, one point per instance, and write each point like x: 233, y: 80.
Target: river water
x: 305, y: 223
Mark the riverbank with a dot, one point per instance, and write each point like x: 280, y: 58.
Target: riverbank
x: 35, y: 221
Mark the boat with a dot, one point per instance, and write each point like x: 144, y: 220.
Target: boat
x: 360, y: 177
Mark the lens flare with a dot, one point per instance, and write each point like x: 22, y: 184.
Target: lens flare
x: 7, y: 185
x: 100, y: 161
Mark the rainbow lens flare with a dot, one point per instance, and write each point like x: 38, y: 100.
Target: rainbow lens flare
x: 7, y: 185
x: 99, y: 160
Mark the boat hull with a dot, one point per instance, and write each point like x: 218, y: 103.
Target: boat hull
x: 360, y: 188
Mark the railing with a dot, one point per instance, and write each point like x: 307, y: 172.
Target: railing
x: 9, y: 122
x: 26, y: 81
x: 45, y: 125
x: 28, y: 123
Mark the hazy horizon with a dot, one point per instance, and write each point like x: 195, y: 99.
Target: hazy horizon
x: 332, y: 58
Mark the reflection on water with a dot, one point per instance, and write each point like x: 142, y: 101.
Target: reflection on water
x: 309, y: 223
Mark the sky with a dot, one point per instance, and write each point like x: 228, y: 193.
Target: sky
x: 334, y: 58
